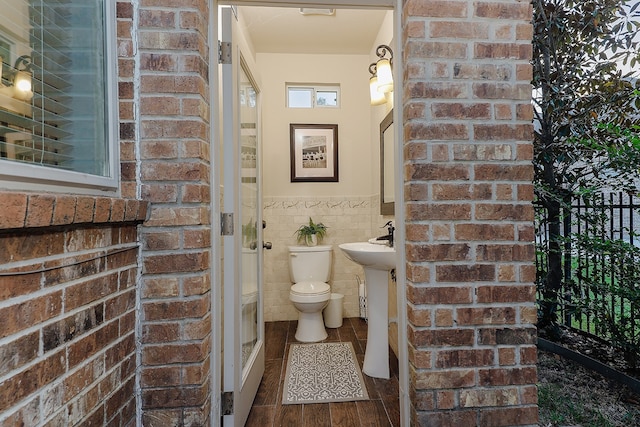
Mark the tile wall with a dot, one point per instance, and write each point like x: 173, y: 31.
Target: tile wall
x: 349, y: 219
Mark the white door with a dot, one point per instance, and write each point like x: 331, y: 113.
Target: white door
x: 243, y: 340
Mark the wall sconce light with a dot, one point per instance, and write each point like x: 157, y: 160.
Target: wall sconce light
x: 381, y: 81
x: 20, y: 79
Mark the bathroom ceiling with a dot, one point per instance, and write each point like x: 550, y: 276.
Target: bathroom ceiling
x: 286, y: 30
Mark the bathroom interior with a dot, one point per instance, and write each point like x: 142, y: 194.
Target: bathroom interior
x: 351, y: 206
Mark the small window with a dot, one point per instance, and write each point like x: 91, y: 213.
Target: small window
x: 299, y: 96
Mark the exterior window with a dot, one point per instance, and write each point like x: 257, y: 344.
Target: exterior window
x: 55, y: 92
x: 319, y: 96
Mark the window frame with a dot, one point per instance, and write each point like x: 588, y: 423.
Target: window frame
x: 32, y: 177
x: 315, y: 88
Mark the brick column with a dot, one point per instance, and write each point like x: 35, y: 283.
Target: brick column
x: 469, y: 220
x: 172, y: 62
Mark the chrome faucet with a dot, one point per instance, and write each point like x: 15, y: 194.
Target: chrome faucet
x: 389, y: 236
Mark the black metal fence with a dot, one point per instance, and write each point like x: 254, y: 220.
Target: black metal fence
x: 600, y: 245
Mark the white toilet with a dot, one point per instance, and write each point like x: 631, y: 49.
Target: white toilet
x: 310, y: 267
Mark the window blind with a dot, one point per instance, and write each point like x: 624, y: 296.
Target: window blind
x: 61, y: 122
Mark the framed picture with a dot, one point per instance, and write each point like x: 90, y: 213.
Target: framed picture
x: 314, y: 153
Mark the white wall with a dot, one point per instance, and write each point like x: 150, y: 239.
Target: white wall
x: 352, y: 118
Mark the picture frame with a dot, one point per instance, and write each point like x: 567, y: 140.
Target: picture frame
x: 314, y: 152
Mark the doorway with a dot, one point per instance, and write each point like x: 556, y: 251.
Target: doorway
x: 270, y: 169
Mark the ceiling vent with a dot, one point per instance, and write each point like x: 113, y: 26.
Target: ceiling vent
x: 310, y: 11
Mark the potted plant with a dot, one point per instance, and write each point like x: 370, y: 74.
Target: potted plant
x: 311, y: 233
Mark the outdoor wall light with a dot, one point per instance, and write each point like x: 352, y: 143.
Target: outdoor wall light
x: 20, y: 79
x: 381, y: 81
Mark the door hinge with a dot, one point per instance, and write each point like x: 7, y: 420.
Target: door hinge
x: 226, y: 224
x: 227, y: 402
x: 224, y: 52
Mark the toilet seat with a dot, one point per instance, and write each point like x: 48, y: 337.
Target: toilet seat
x: 310, y: 288
x: 310, y: 292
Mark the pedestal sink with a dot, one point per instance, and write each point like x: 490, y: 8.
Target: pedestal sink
x: 377, y: 260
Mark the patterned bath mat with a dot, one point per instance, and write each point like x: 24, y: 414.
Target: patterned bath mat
x: 323, y: 372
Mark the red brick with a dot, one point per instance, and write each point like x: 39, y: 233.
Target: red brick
x: 464, y: 358
x: 507, y: 356
x: 161, y: 240
x: 470, y: 71
x: 176, y: 263
x: 418, y: 273
x: 441, y: 90
x: 445, y: 399
x: 506, y: 336
x: 479, y: 151
x: 175, y: 353
x: 518, y: 416
x: 465, y: 273
x: 507, y: 376
x: 163, y: 376
x: 522, y: 11
x: 419, y: 317
x: 457, y: 110
x: 422, y: 171
x: 173, y: 172
x: 485, y: 316
x: 439, y: 295
x: 444, y: 317
x: 22, y: 284
x: 39, y: 210
x: 506, y: 293
x: 442, y: 337
x: 459, y: 30
x: 461, y: 192
x: 457, y: 418
x: 438, y: 252
x: 156, y: 19
x: 18, y: 386
x: 506, y: 252
x: 23, y: 315
x: 161, y: 287
x: 502, y: 51
x: 501, y: 212
x: 420, y: 359
x: 439, y: 131
x: 178, y: 309
x: 160, y: 193
x: 14, y: 210
x: 457, y: 378
x: 441, y: 211
x: 437, y: 9
x: 503, y: 172
x: 19, y: 352
x: 484, y: 232
x: 90, y: 290
x: 93, y: 343
x: 159, y: 333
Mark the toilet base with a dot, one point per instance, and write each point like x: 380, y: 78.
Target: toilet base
x: 310, y: 327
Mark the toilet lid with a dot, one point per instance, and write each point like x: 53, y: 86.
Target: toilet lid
x: 306, y: 288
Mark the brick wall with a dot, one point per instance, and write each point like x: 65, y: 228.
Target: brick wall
x: 68, y: 269
x: 469, y: 218
x: 171, y: 66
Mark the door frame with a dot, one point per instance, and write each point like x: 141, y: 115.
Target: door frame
x: 216, y: 273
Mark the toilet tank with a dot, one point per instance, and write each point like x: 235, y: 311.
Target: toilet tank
x: 310, y: 263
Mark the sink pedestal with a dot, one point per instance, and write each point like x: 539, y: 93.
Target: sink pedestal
x: 377, y: 260
x: 376, y: 356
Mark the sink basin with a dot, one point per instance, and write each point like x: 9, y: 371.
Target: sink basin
x: 376, y: 256
x: 377, y: 260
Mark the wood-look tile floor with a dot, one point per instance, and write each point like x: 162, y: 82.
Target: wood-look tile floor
x: 382, y: 408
